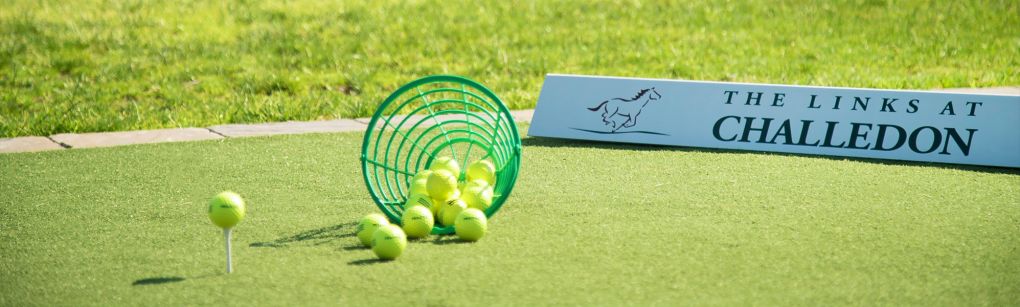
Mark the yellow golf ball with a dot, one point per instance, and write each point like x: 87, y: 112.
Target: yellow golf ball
x: 226, y: 209
x: 388, y: 242
x: 367, y: 227
x: 447, y: 164
x: 417, y: 222
x: 418, y: 200
x: 471, y: 224
x: 442, y: 185
x: 477, y: 197
x: 450, y: 211
x: 482, y: 170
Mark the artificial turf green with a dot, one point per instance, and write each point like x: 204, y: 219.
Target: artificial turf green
x: 92, y: 65
x: 587, y: 224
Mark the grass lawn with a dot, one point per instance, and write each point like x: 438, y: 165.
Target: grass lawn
x: 587, y: 224
x: 89, y: 65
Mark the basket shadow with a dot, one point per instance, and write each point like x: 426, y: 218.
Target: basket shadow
x: 316, y: 236
x: 446, y: 240
x: 420, y: 240
x: 554, y: 143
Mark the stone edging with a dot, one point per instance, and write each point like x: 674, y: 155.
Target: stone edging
x: 120, y: 138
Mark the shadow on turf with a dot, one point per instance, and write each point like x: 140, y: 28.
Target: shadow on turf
x: 370, y: 261
x: 445, y: 240
x: 550, y: 142
x: 439, y: 240
x: 354, y: 247
x: 316, y: 236
x: 166, y: 280
x: 157, y: 280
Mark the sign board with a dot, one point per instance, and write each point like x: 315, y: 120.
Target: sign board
x: 851, y: 122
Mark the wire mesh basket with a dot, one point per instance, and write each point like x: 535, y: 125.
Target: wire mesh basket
x: 432, y: 117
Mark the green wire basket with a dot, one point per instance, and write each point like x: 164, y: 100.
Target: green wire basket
x: 432, y: 117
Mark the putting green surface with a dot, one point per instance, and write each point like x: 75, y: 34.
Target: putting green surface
x: 587, y: 224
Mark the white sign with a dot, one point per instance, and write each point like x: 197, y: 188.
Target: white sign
x: 851, y: 122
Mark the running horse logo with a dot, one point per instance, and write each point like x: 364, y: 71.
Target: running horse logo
x: 623, y: 113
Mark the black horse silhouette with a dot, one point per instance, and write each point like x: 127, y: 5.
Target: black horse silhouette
x: 626, y: 110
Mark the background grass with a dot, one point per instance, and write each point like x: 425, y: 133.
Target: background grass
x: 586, y: 225
x: 78, y: 66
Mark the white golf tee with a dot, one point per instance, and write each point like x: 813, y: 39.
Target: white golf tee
x: 226, y: 236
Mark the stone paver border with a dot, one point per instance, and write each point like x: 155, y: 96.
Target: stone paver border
x: 28, y: 144
x: 107, y: 139
x: 245, y: 130
x: 119, y: 138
